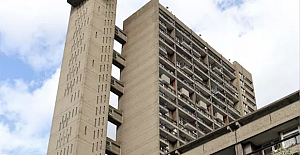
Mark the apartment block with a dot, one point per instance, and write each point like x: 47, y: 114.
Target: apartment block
x: 174, y: 87
x: 269, y: 130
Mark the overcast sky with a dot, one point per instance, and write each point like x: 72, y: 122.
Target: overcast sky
x: 262, y: 35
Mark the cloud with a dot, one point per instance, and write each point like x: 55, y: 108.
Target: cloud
x: 34, y: 30
x: 25, y: 117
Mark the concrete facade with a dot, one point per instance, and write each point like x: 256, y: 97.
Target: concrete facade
x: 260, y: 133
x: 174, y: 87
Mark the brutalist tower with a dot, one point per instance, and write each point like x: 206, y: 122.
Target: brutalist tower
x: 174, y: 87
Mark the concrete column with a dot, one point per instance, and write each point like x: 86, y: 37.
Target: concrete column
x: 239, y: 149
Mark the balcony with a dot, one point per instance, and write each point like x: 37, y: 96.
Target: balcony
x: 75, y: 3
x: 166, y: 98
x: 184, y: 93
x: 219, y: 123
x: 116, y: 87
x: 169, y: 119
x: 186, y: 45
x: 186, y: 114
x: 236, y: 114
x: 165, y: 79
x: 167, y: 21
x: 219, y: 117
x: 230, y: 87
x: 118, y: 60
x: 115, y: 116
x: 217, y: 70
x: 229, y: 74
x: 166, y: 36
x: 190, y: 135
x: 291, y: 143
x: 187, y: 102
x: 170, y: 134
x: 112, y: 147
x: 167, y: 89
x: 202, y: 105
x: 166, y: 69
x: 168, y: 46
x: 162, y: 25
x: 207, y: 126
x: 201, y: 65
x: 120, y: 36
x: 200, y: 84
x: 202, y: 96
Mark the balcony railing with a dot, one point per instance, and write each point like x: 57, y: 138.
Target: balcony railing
x: 191, y: 133
x: 165, y: 128
x: 277, y: 145
x: 219, y: 123
x: 117, y: 87
x: 112, y: 148
x: 163, y: 66
x: 115, y: 116
x: 168, y: 118
x: 233, y: 109
x: 167, y: 87
x: 118, y: 60
x: 202, y: 121
x: 120, y: 36
x: 167, y: 97
x: 167, y: 59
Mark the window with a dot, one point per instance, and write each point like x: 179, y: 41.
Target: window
x: 291, y: 137
x: 245, y: 112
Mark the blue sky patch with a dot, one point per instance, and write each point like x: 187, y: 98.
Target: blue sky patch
x: 226, y: 4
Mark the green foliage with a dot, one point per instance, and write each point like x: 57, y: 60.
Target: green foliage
x: 282, y: 152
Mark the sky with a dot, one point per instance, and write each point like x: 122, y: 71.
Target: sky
x: 262, y: 35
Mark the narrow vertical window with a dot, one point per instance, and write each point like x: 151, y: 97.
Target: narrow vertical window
x: 93, y: 62
x: 98, y: 8
x: 85, y: 130
x: 93, y: 147
x: 96, y: 35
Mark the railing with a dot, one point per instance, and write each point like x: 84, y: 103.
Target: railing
x: 115, y: 114
x: 184, y: 81
x: 184, y: 139
x: 167, y: 19
x: 112, y: 146
x: 162, y: 39
x: 203, y: 112
x: 187, y: 131
x: 167, y: 59
x: 117, y: 29
x: 167, y: 97
x: 187, y: 111
x: 202, y: 121
x: 168, y: 35
x: 219, y: 123
x: 233, y: 109
x: 168, y: 118
x: 163, y: 66
x: 167, y: 87
x: 189, y: 59
x: 268, y: 149
x: 168, y: 130
x: 198, y: 91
